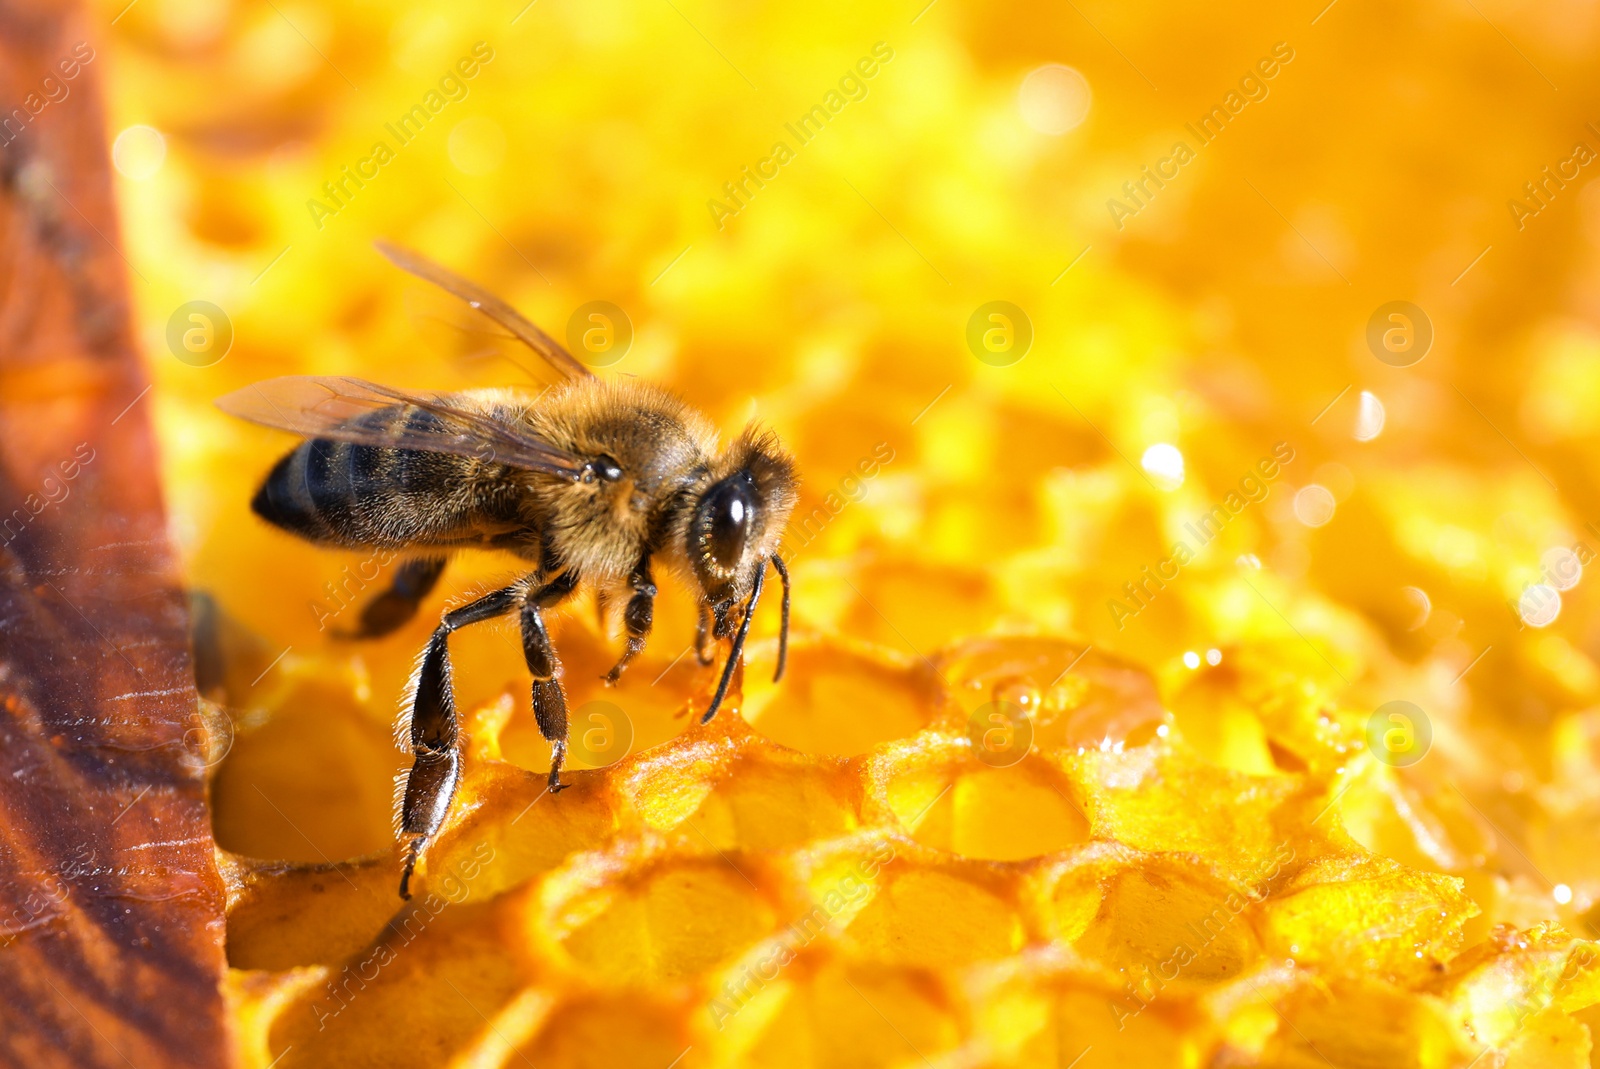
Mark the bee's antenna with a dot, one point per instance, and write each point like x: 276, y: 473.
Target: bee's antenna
x: 783, y: 628
x: 738, y: 647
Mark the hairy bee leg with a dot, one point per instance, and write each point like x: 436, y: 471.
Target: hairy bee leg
x: 636, y: 618
x: 436, y: 765
x: 394, y: 608
x: 549, y: 700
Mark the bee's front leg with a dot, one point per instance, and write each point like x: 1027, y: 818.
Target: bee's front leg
x: 637, y: 617
x: 435, y: 730
x: 549, y: 701
x: 705, y: 646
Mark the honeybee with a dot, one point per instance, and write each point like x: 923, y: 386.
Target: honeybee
x: 596, y: 481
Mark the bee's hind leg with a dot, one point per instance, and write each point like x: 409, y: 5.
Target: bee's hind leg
x: 435, y: 731
x: 636, y: 618
x: 549, y: 700
x: 394, y: 608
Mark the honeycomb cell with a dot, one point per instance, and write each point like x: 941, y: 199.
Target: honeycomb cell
x: 946, y: 799
x: 1164, y: 797
x: 1394, y: 1028
x: 507, y: 829
x: 664, y: 789
x: 601, y: 1033
x: 1098, y: 1032
x: 312, y: 781
x: 1367, y: 915
x: 1006, y: 814
x: 773, y: 802
x: 1164, y: 921
x: 283, y: 917
x: 934, y: 919
x: 1265, y: 707
x: 832, y: 880
x: 854, y: 1017
x: 412, y: 998
x: 1075, y: 900
x: 662, y: 922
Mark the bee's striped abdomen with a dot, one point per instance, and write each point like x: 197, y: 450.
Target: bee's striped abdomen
x: 365, y: 495
x: 317, y: 490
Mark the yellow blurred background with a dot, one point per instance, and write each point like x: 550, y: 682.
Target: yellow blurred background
x: 1421, y: 537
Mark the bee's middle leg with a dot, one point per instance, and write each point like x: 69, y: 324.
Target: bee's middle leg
x: 549, y: 700
x: 637, y: 617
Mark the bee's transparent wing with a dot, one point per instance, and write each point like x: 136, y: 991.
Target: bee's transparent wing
x: 496, y: 309
x: 354, y: 410
x: 468, y: 342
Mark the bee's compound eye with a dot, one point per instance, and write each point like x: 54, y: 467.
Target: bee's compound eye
x: 728, y: 513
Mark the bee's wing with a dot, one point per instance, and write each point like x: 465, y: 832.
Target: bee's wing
x: 332, y: 407
x: 449, y: 328
x: 490, y: 305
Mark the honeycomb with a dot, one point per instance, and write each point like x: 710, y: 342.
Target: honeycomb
x: 791, y: 886
x: 1181, y: 680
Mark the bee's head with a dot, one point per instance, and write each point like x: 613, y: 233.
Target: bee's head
x: 738, y: 516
